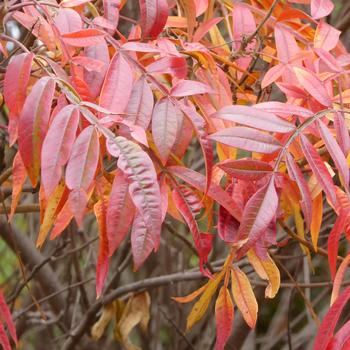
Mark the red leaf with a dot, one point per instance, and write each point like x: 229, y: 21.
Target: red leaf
x: 144, y: 190
x: 164, y: 127
x: 7, y: 317
x: 227, y: 224
x: 247, y: 139
x: 176, y: 66
x: 57, y: 146
x: 333, y: 241
x: 33, y: 125
x: 321, y: 8
x: 102, y: 265
x: 214, y: 191
x: 319, y: 169
x: 313, y: 85
x: 259, y: 211
x: 4, y: 341
x: 329, y: 322
x: 120, y: 212
x: 154, y: 14
x: 140, y: 105
x: 245, y: 169
x: 336, y: 153
x: 296, y: 175
x: 224, y: 312
x: 117, y: 86
x: 84, y: 37
x: 184, y: 207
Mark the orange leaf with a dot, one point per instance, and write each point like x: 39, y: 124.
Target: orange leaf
x: 244, y: 297
x: 267, y: 270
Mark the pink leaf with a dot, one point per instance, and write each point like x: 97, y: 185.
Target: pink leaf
x: 164, y: 127
x: 249, y: 116
x: 120, y: 212
x: 336, y: 153
x: 284, y: 109
x: 33, y: 125
x: 296, y: 175
x: 140, y: 105
x: 143, y: 241
x: 214, y: 191
x: 245, y: 169
x: 272, y: 75
x: 117, y: 86
x: 83, y: 160
x: 176, y: 66
x: 67, y: 21
x: 247, y: 139
x: 16, y: 81
x: 321, y: 8
x: 326, y: 36
x: 57, y: 146
x: 286, y: 44
x: 189, y: 88
x: 258, y: 213
x: 319, y: 169
x: 313, y: 85
x: 154, y: 14
x: 206, y: 144
x: 144, y: 190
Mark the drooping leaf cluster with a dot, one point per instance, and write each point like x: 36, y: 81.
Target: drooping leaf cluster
x: 103, y: 116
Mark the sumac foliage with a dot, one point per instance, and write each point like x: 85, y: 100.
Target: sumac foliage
x: 102, y: 110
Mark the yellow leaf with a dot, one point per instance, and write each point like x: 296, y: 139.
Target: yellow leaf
x: 316, y: 219
x: 188, y: 298
x: 244, y: 297
x: 50, y: 213
x: 135, y: 312
x: 108, y: 313
x: 268, y: 271
x: 201, y: 306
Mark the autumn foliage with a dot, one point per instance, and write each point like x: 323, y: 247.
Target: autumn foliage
x: 102, y: 109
